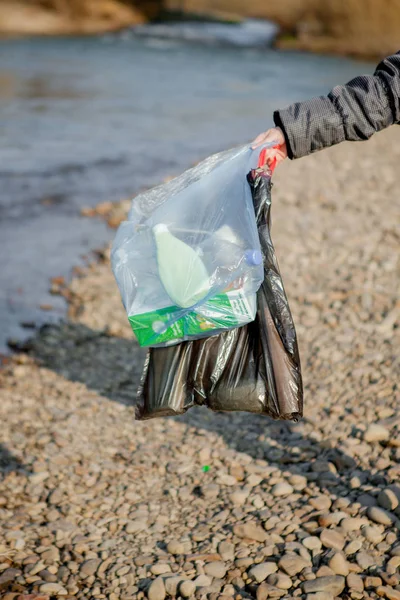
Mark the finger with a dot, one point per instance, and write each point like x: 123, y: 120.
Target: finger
x: 271, y: 136
x: 270, y: 154
x: 280, y: 157
x: 258, y: 141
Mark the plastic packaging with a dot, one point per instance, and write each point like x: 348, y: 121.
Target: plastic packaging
x: 254, y: 368
x: 188, y: 260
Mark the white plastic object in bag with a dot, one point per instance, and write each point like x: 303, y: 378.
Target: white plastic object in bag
x: 188, y: 260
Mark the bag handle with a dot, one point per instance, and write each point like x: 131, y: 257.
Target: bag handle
x: 261, y: 159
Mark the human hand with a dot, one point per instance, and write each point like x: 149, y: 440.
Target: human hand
x: 277, y: 153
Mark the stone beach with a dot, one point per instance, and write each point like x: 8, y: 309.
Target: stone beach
x: 95, y: 505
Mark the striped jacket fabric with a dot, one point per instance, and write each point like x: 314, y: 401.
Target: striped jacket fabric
x: 353, y: 112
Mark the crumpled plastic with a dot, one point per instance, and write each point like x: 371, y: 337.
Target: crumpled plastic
x: 255, y: 368
x: 188, y: 261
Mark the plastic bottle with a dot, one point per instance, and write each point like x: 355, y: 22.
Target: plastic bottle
x: 229, y: 255
x: 181, y: 270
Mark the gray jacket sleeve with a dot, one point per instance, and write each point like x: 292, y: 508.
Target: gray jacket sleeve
x: 351, y: 112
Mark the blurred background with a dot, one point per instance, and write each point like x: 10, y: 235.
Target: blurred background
x: 101, y: 98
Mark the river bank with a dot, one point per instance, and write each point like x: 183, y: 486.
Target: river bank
x: 95, y: 505
x: 66, y: 18
x: 364, y: 29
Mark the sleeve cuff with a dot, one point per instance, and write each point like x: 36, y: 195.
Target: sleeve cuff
x: 310, y: 126
x: 278, y: 123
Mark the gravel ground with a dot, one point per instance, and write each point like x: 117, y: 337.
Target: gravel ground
x: 96, y: 505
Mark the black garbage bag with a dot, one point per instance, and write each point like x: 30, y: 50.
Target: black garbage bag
x: 254, y: 368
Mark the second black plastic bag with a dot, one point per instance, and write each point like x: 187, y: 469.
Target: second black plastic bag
x: 254, y: 368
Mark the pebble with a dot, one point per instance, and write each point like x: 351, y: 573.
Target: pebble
x: 55, y: 589
x: 372, y: 534
x: 253, y: 480
x: 353, y: 524
x: 203, y: 581
x: 160, y: 568
x: 239, y: 497
x: 51, y: 555
x: 355, y: 582
x: 353, y: 547
x: 215, y: 569
x: 388, y: 592
x: 299, y: 482
x: 172, y: 584
x: 226, y: 479
x: 243, y: 563
x: 187, y: 589
x: 250, y: 531
x: 228, y: 591
x: 47, y: 576
x: 333, y: 518
x: 210, y: 491
x: 376, y: 433
x: 156, y: 590
x: 292, y: 564
x: 332, y: 539
x: 312, y: 543
x: 380, y: 515
x: 282, y: 489
x: 388, y: 499
x: 55, y: 497
x: 395, y: 551
x: 135, y: 526
x: 339, y: 564
x: 393, y: 565
x: 8, y: 576
x: 323, y: 571
x: 333, y: 584
x: 372, y: 582
x: 89, y: 567
x: 176, y: 548
x: 365, y: 560
x: 280, y: 580
x: 319, y: 596
x: 265, y: 590
x: 261, y: 571
x: 139, y: 561
x: 226, y: 550
x: 366, y: 500
x: 321, y: 502
x: 19, y: 544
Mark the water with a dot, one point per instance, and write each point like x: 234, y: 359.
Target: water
x: 86, y: 120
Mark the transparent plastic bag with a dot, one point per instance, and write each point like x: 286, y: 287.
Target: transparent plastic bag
x: 188, y: 261
x: 254, y: 368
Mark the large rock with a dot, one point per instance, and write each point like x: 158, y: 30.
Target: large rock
x: 62, y: 17
x: 338, y: 26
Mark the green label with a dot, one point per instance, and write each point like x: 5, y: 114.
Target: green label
x: 167, y: 325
